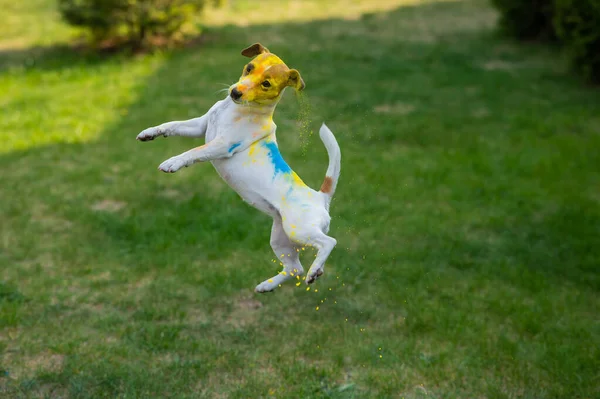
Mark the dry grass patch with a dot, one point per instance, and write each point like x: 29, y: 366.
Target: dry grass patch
x: 397, y: 109
x: 244, y: 14
x: 108, y: 205
x: 245, y: 312
x: 23, y: 366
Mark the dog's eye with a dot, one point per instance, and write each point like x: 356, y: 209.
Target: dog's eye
x: 248, y: 69
x: 266, y: 84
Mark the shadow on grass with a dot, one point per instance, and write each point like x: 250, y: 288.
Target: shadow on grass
x: 48, y: 58
x: 67, y: 55
x: 436, y: 107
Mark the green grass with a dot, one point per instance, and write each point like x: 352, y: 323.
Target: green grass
x: 467, y: 217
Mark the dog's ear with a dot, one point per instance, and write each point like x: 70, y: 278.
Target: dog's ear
x: 295, y: 80
x: 254, y: 50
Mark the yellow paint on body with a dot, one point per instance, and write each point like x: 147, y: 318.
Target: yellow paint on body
x: 252, y: 148
x: 297, y: 179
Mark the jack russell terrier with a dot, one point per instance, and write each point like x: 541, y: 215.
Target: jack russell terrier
x: 241, y: 145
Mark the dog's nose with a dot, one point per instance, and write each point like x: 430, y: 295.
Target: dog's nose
x: 236, y: 94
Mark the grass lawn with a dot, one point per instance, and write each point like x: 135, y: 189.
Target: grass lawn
x: 467, y: 214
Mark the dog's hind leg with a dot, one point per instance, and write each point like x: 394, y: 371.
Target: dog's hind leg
x: 324, y: 245
x: 287, y: 253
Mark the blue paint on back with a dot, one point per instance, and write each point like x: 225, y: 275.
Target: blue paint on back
x: 276, y: 158
x: 234, y: 146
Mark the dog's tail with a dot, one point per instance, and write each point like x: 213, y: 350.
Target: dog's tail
x: 335, y: 157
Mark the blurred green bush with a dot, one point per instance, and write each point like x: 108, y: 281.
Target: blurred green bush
x: 527, y: 19
x: 133, y: 21
x: 574, y: 23
x: 577, y: 24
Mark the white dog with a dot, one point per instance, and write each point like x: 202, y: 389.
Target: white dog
x: 241, y: 144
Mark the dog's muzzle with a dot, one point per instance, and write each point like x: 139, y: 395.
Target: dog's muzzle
x: 236, y: 94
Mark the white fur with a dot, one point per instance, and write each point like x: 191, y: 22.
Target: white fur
x: 241, y: 145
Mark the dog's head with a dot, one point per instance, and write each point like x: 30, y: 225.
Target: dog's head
x: 264, y: 78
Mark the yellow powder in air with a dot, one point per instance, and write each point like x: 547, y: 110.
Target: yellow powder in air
x: 303, y: 121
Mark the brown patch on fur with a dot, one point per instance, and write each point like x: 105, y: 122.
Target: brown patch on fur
x: 295, y: 80
x: 254, y: 50
x: 327, y: 184
x: 237, y: 118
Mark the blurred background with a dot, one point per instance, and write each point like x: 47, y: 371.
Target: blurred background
x: 467, y: 214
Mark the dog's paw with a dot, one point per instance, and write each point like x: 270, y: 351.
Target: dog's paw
x: 172, y: 165
x: 149, y: 134
x: 266, y: 286
x: 312, y: 276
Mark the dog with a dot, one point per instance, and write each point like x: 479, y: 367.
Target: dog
x: 241, y: 145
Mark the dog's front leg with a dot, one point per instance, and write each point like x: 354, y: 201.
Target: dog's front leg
x: 215, y: 149
x: 191, y: 128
